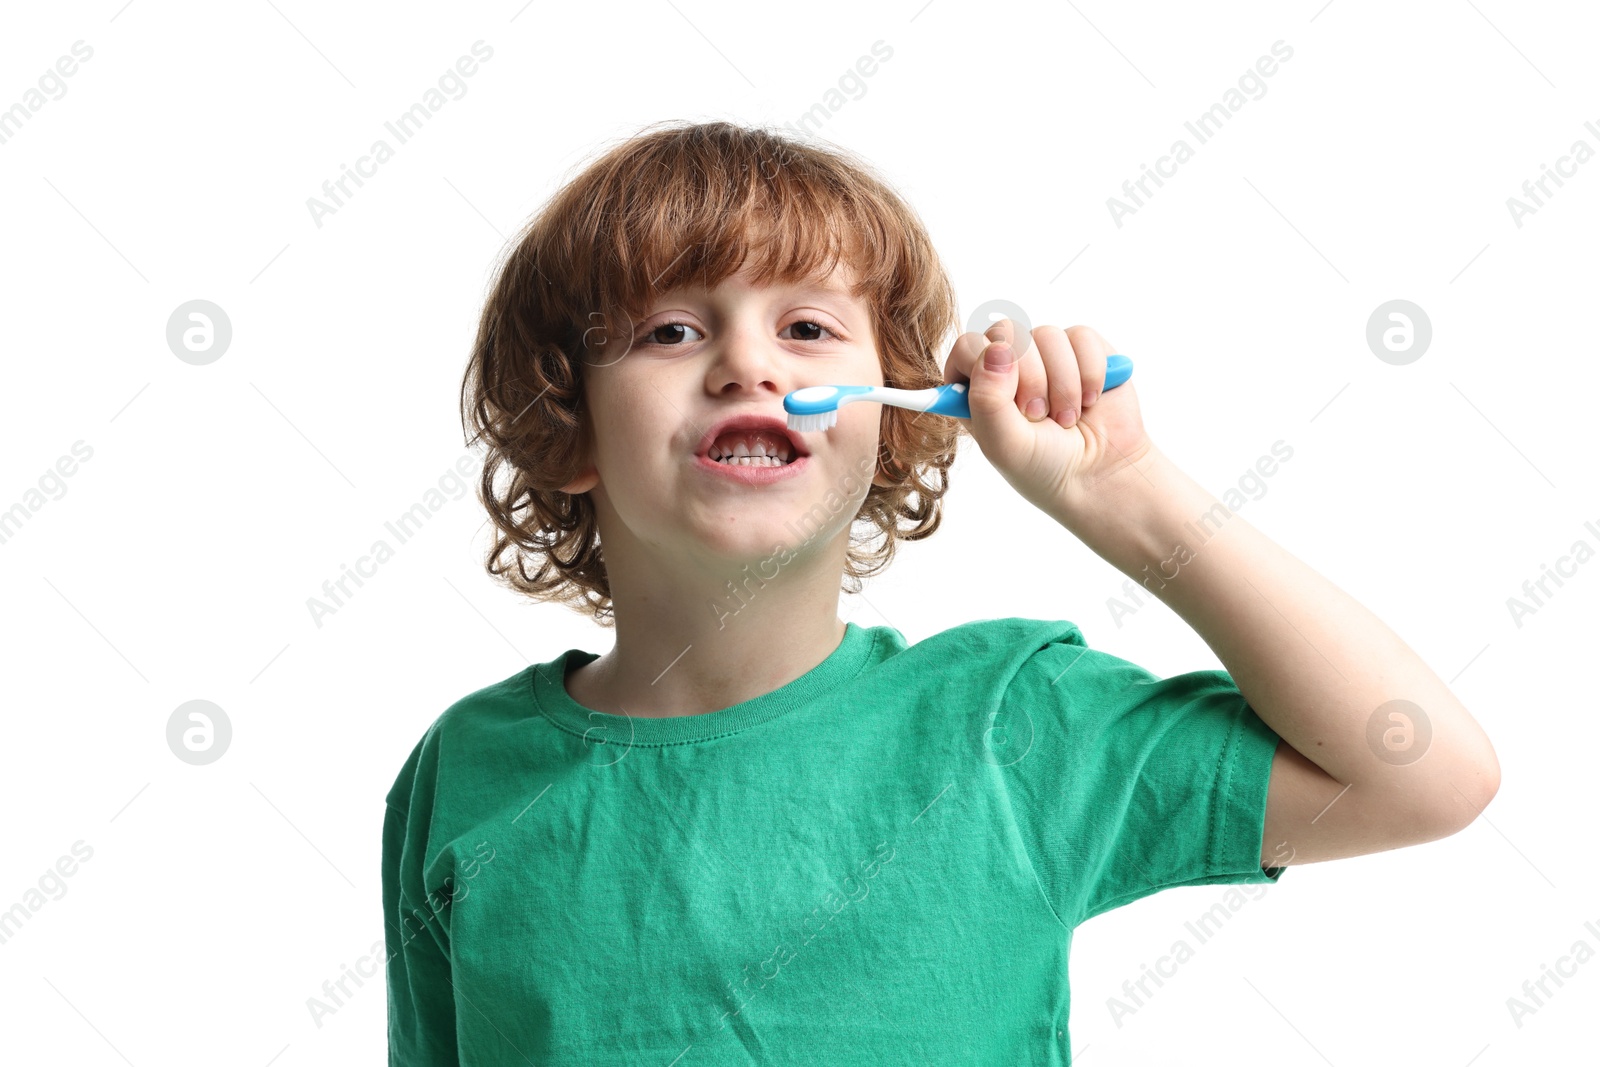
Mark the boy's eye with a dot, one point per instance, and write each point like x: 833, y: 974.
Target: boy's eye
x: 818, y: 325
x: 652, y: 335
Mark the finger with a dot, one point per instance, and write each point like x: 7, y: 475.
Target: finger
x: 1033, y: 380
x: 1091, y: 350
x: 997, y: 422
x: 966, y: 352
x: 1005, y: 331
x: 1061, y: 372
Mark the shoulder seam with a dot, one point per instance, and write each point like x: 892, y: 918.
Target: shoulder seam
x: 1027, y: 856
x: 1227, y: 766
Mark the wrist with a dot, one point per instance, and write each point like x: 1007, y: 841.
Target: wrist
x: 1112, y: 497
x: 1142, y: 517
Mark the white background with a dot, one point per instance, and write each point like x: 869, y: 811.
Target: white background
x: 178, y: 562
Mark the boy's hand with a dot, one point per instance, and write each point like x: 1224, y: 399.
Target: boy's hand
x: 1058, y: 457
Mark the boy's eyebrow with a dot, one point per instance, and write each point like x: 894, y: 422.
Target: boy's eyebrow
x: 813, y: 288
x: 819, y: 284
x: 829, y: 288
x: 825, y: 288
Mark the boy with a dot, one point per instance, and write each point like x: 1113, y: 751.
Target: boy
x: 751, y: 833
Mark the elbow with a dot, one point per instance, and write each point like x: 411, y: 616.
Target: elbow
x: 1470, y: 792
x: 1471, y: 783
x: 1484, y: 778
x: 1491, y: 778
x: 1489, y: 783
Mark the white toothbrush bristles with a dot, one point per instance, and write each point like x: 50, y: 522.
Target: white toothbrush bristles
x: 813, y: 423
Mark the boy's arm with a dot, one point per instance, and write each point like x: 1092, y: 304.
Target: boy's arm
x: 422, y: 1020
x: 1352, y: 776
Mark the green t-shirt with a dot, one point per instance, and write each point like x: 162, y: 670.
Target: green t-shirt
x: 880, y: 862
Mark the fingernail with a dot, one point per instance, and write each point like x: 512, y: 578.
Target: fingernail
x: 1035, y: 409
x: 1069, y: 417
x: 1091, y: 398
x: 998, y: 357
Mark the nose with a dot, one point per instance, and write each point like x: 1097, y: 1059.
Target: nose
x: 747, y: 359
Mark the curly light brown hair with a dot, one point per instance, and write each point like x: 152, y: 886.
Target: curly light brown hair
x: 688, y: 205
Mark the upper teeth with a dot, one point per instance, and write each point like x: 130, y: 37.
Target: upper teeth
x: 753, y: 446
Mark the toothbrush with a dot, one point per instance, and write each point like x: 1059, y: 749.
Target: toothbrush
x: 816, y: 407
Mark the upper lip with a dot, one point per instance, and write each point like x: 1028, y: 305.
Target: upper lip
x: 752, y: 422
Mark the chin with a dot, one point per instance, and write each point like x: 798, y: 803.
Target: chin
x: 754, y: 540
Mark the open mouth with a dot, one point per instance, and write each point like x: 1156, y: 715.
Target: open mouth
x: 752, y: 448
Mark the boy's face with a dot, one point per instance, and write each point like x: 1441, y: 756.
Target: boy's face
x: 735, y: 352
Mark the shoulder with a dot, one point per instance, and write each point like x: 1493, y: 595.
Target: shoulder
x: 983, y: 664
x: 1000, y: 647
x: 1003, y: 635
x: 464, y: 727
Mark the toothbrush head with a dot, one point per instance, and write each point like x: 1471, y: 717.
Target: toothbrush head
x: 823, y: 420
x: 816, y: 408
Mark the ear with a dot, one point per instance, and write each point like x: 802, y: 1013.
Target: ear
x: 588, y: 475
x: 583, y: 482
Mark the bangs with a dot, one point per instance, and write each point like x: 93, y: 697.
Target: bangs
x: 674, y: 219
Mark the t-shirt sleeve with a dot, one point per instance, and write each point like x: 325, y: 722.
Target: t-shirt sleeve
x: 1130, y: 783
x: 422, y: 1015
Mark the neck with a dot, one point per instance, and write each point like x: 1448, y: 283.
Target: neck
x: 689, y: 642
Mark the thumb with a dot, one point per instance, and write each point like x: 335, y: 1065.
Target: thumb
x: 992, y: 400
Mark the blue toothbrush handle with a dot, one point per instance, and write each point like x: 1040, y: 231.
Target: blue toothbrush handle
x: 1118, y: 370
x: 953, y: 397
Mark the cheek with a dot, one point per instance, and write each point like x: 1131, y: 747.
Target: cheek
x: 622, y: 455
x: 637, y: 432
x: 622, y: 425
x: 857, y: 448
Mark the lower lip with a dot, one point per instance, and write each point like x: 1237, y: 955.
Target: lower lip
x: 751, y: 475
